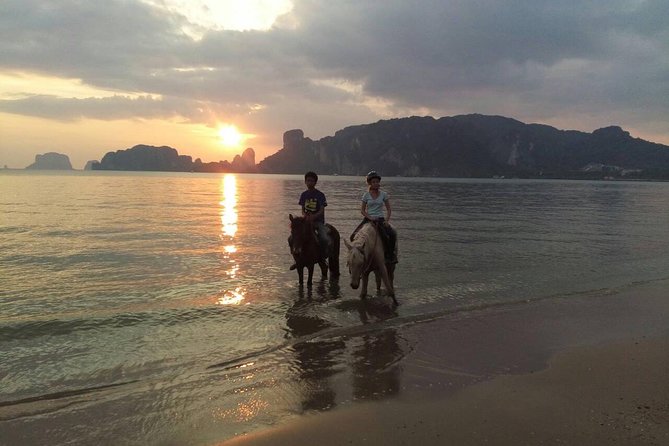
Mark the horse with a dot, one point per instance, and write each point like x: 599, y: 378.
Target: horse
x: 305, y: 250
x: 365, y: 254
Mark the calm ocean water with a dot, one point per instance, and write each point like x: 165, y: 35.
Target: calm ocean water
x: 158, y: 308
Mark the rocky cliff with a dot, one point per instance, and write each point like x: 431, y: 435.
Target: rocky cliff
x: 246, y: 162
x: 470, y: 146
x: 89, y: 164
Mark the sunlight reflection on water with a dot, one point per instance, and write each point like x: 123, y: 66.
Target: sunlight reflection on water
x: 229, y: 220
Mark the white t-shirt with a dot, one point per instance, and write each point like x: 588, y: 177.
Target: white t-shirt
x: 375, y: 206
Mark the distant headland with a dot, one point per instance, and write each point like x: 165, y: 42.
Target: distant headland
x: 472, y: 146
x: 167, y: 159
x: 465, y: 146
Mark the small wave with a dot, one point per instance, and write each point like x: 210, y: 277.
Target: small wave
x: 13, y: 230
x: 63, y: 394
x: 59, y: 233
x: 16, y: 409
x: 56, y: 327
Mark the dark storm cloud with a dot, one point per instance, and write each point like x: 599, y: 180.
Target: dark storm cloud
x: 408, y: 51
x: 531, y: 60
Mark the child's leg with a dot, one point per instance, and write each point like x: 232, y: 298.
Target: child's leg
x: 323, y: 239
x: 385, y: 238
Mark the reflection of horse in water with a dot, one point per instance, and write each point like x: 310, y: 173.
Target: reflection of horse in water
x: 315, y: 360
x: 365, y: 254
x: 305, y: 250
x: 376, y: 365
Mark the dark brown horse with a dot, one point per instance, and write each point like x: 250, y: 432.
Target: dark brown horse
x: 305, y: 250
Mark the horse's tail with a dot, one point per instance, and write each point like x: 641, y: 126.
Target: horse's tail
x: 333, y: 259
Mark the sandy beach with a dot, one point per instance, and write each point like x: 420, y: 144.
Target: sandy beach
x: 566, y: 371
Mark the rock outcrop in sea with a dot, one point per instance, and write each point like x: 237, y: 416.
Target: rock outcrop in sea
x: 51, y: 161
x: 167, y: 159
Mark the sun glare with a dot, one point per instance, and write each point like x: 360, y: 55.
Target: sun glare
x: 230, y: 136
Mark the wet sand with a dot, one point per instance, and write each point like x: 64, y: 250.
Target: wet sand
x: 567, y: 371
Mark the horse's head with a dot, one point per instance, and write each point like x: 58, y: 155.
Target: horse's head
x: 355, y: 260
x: 301, y: 232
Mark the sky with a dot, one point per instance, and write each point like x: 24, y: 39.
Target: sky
x: 211, y: 78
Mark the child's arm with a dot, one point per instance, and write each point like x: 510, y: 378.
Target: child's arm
x: 363, y: 210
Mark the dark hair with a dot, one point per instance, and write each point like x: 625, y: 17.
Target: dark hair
x: 311, y: 174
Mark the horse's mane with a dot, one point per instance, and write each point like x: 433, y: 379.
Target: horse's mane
x: 364, y: 234
x: 299, y: 222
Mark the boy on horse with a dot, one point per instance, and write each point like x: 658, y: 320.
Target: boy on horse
x: 313, y: 204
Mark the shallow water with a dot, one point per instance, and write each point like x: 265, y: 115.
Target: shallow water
x: 158, y: 307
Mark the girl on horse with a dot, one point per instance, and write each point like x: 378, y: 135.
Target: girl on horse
x: 373, y: 202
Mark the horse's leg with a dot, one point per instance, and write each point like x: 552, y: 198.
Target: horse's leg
x: 324, y: 269
x: 377, y: 276
x: 363, y: 287
x: 390, y: 267
x: 386, y: 281
x: 391, y: 279
x: 300, y: 274
x: 310, y: 270
x: 333, y: 259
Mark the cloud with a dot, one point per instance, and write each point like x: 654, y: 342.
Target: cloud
x: 70, y: 109
x: 428, y: 53
x: 327, y: 64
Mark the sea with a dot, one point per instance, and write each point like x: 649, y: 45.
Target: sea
x: 158, y: 308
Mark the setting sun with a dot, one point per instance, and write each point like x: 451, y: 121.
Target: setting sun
x: 230, y: 136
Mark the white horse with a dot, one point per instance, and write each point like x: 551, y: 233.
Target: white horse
x: 365, y: 254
